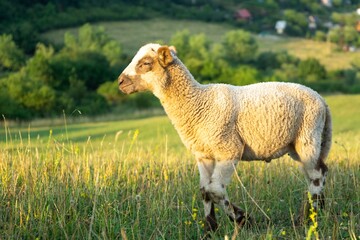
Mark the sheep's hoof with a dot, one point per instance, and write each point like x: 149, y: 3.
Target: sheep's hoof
x: 210, y: 224
x: 241, y: 218
x: 244, y: 221
x: 305, y: 210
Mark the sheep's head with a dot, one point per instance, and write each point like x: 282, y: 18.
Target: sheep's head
x: 147, y: 70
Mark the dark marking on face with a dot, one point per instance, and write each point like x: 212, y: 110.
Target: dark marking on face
x: 144, y: 65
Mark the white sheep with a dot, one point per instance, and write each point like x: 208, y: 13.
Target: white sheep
x: 222, y: 124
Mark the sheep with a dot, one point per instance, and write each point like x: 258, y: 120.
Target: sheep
x: 223, y: 124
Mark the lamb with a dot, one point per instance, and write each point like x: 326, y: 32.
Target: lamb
x: 223, y: 124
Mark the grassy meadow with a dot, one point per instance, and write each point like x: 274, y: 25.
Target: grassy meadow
x: 133, y: 34
x: 133, y: 179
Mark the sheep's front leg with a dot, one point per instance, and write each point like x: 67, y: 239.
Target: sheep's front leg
x: 219, y: 180
x: 206, y: 169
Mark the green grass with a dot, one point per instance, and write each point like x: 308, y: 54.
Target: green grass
x: 134, y: 179
x: 133, y: 34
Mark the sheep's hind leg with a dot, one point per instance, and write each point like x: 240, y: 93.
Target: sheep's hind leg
x: 316, y: 176
x: 313, y: 157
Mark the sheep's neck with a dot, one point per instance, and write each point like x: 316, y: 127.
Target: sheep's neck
x: 182, y: 96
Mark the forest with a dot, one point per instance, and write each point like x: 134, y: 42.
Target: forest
x: 40, y: 79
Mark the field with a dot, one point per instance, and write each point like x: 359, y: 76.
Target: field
x: 133, y: 179
x: 133, y: 34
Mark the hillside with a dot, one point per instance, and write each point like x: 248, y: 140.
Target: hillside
x: 133, y: 34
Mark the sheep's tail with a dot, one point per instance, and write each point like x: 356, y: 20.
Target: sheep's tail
x: 326, y: 139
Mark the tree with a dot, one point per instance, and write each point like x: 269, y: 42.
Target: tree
x: 320, y: 36
x: 181, y: 41
x: 9, y: 107
x: 11, y: 56
x: 193, y: 50
x: 244, y: 75
x: 91, y: 39
x: 297, y: 22
x: 239, y: 46
x: 38, y: 67
x: 30, y: 93
x: 288, y: 72
x: 350, y: 35
x: 109, y: 90
x: 311, y: 70
x: 335, y: 36
x: 90, y: 67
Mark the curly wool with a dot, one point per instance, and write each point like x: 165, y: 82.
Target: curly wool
x: 218, y: 120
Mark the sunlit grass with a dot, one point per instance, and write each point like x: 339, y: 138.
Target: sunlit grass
x: 134, y: 178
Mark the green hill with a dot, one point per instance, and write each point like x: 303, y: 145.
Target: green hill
x: 133, y: 34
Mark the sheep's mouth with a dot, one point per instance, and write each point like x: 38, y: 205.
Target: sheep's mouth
x: 131, y: 84
x: 125, y: 84
x: 128, y: 88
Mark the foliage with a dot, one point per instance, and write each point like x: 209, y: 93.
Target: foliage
x: 245, y: 75
x: 94, y: 40
x: 239, y: 46
x: 320, y: 36
x: 11, y: 56
x: 345, y: 34
x: 311, y: 70
x: 296, y: 22
x: 109, y: 90
x: 51, y: 81
x: 80, y: 75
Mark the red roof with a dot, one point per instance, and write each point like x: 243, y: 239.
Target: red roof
x: 243, y: 14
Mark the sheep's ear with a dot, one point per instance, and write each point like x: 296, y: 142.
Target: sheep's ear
x: 173, y: 49
x: 165, y: 57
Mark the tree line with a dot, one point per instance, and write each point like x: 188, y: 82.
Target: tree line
x: 25, y: 19
x: 81, y: 75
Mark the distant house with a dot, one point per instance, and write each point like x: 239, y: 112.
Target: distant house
x: 280, y: 26
x: 327, y: 3
x: 242, y: 14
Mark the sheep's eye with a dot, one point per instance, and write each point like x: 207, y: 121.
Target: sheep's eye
x: 147, y: 63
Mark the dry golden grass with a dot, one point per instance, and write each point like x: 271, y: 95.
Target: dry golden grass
x: 135, y: 179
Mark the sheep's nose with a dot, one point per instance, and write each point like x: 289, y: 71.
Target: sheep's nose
x: 121, y: 78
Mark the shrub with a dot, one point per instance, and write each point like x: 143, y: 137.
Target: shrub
x: 311, y: 70
x: 239, y: 46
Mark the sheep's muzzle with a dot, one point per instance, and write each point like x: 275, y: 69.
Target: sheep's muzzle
x: 127, y: 85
